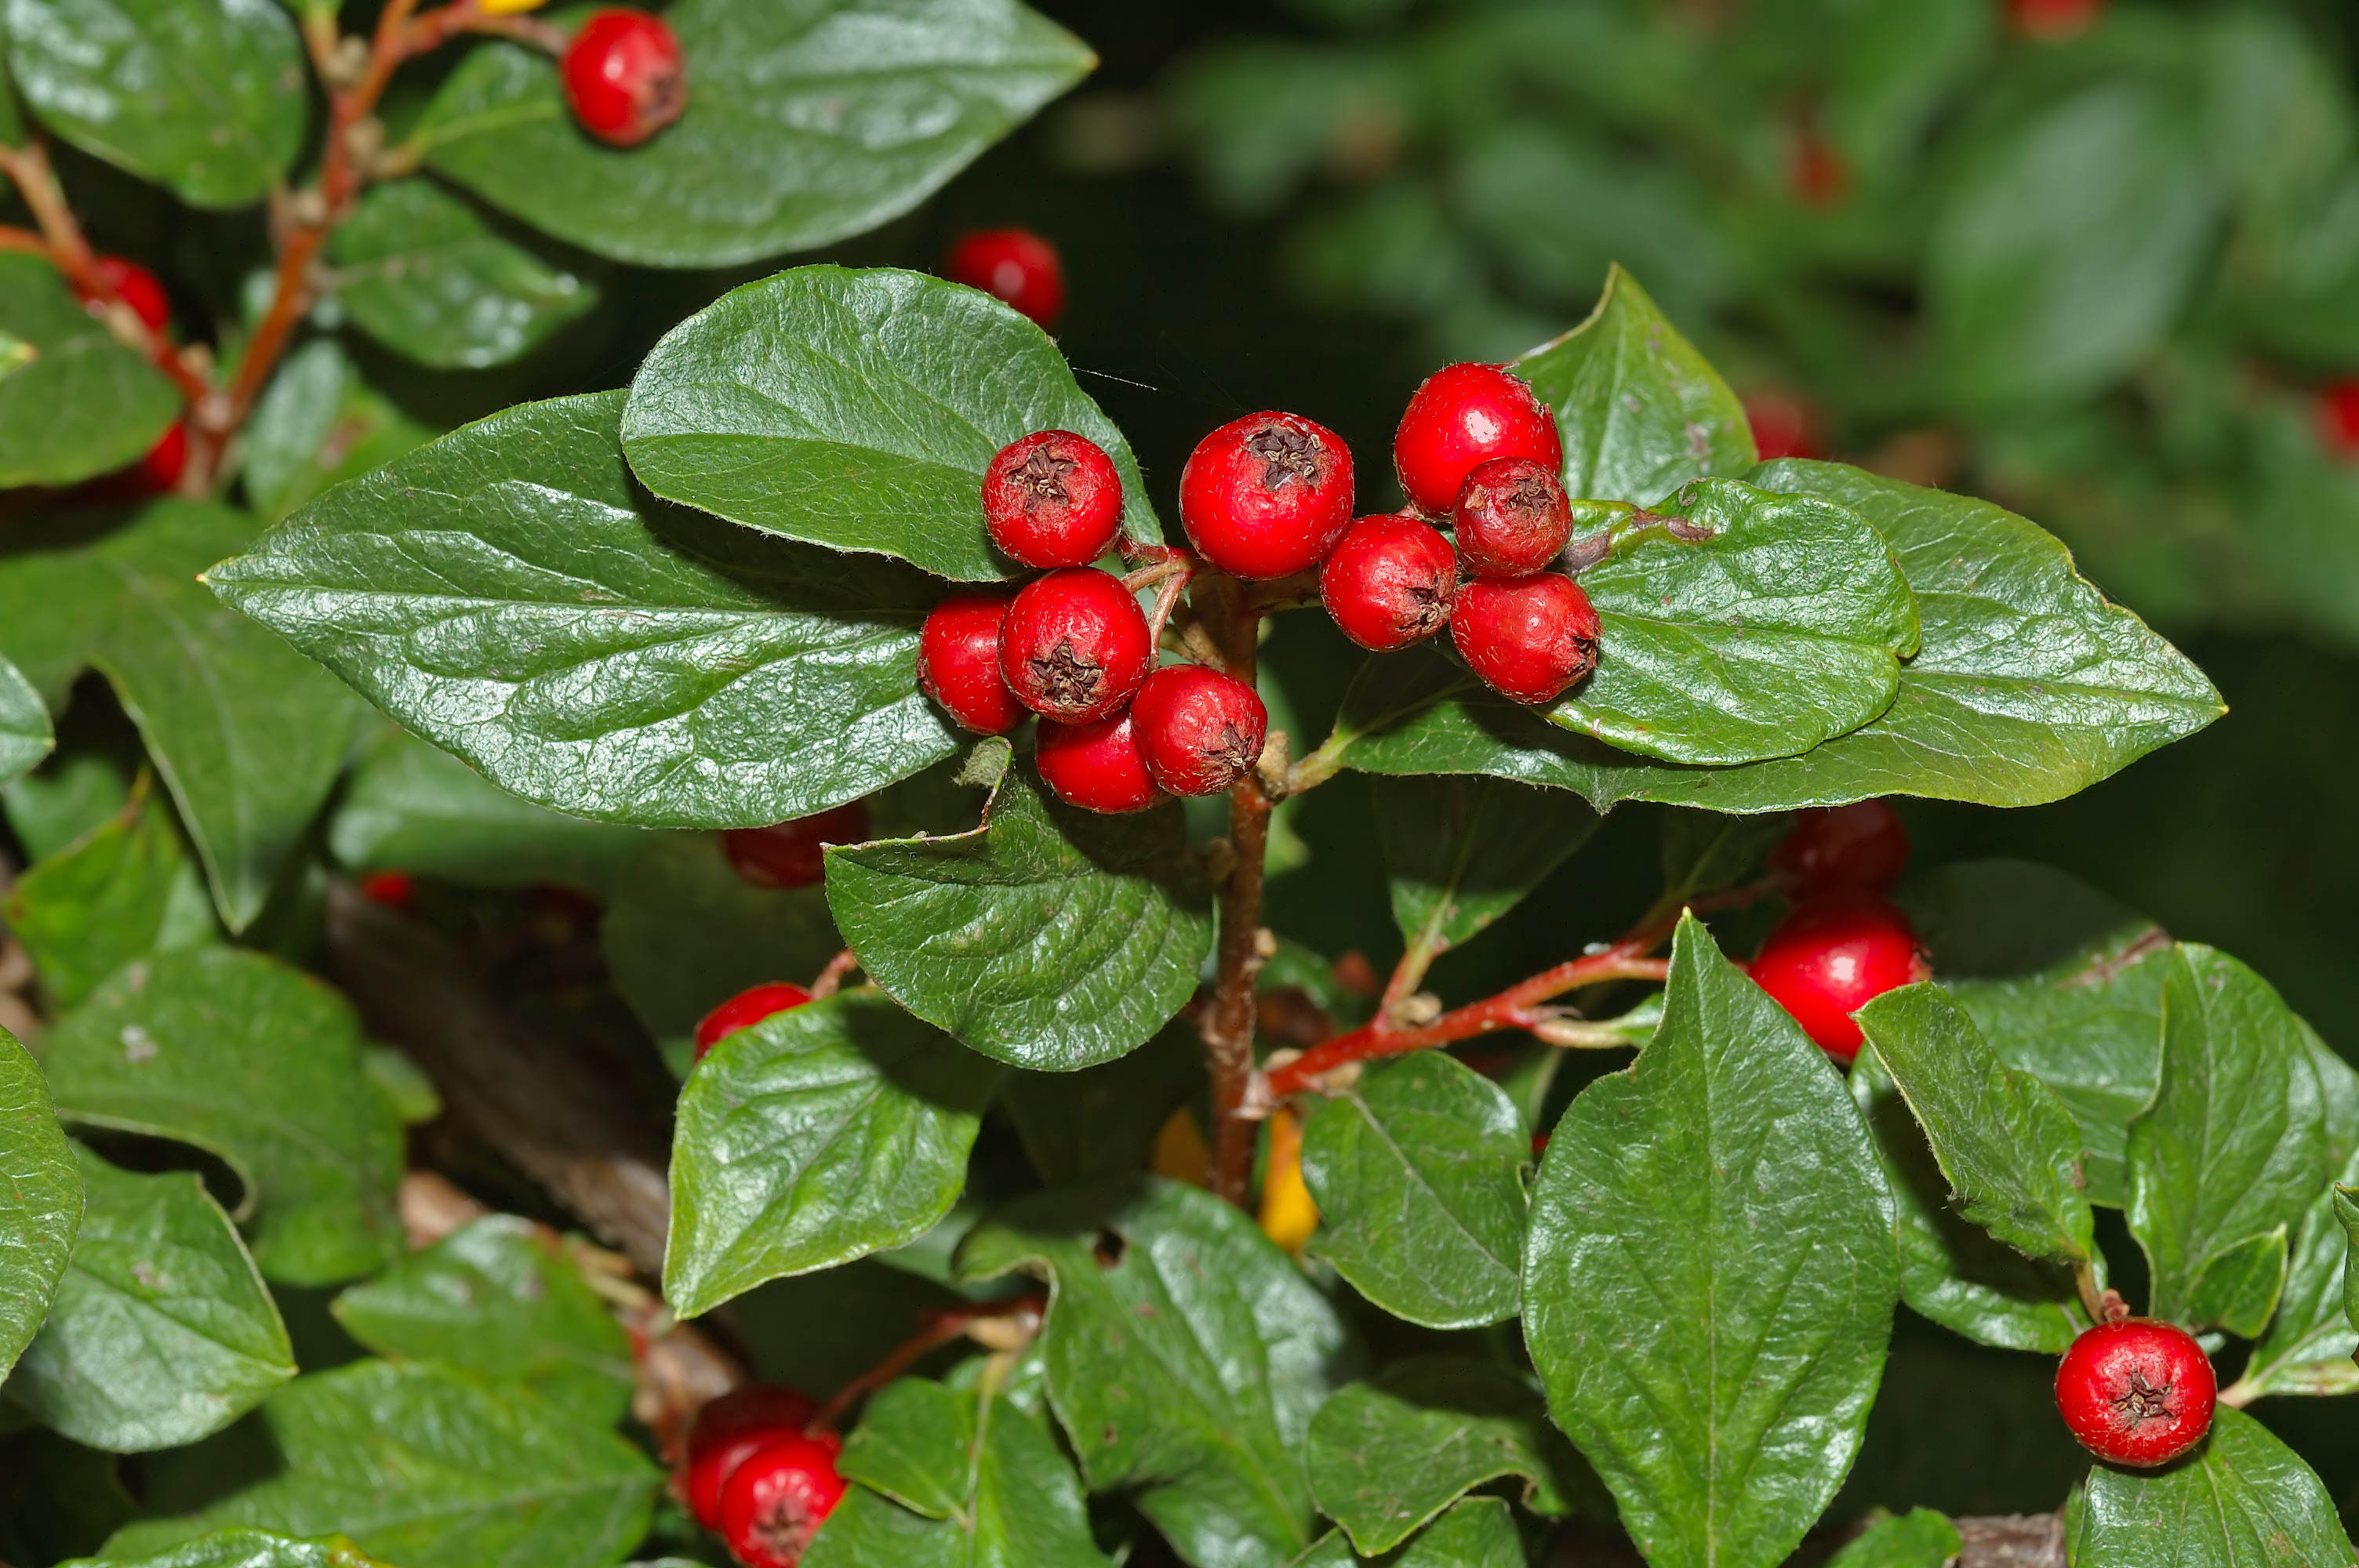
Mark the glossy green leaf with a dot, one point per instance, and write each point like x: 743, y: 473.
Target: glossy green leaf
x: 504, y: 1297
x: 2242, y: 1500
x: 1476, y: 1532
x: 858, y: 410
x: 429, y: 1467
x: 1641, y: 411
x: 125, y: 890
x: 40, y: 1198
x: 807, y: 122
x: 162, y: 1332
x: 1464, y: 851
x: 1419, y: 1175
x: 1728, y: 1173
x: 246, y: 1549
x: 500, y: 593
x: 2309, y: 1343
x: 1918, y: 1538
x: 316, y: 425
x: 260, y: 1064
x: 2346, y: 1211
x: 1050, y: 937
x: 25, y: 734
x: 820, y: 1135
x: 208, y: 98
x: 84, y: 404
x: 1186, y: 1355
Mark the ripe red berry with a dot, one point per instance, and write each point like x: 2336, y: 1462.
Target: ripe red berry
x: 2136, y: 1391
x: 1075, y: 645
x: 2338, y: 417
x: 1465, y: 415
x: 727, y: 1432
x: 1832, y: 955
x: 397, y: 890
x: 1096, y: 766
x: 167, y: 461
x: 1267, y: 495
x: 1783, y: 425
x: 787, y: 854
x: 137, y: 287
x: 1013, y: 265
x: 1529, y: 639
x: 744, y: 1010
x: 1861, y: 846
x: 958, y: 662
x: 1512, y: 519
x: 775, y: 1499
x: 623, y: 76
x: 1053, y: 500
x: 2052, y: 21
x: 1388, y: 581
x: 1199, y: 730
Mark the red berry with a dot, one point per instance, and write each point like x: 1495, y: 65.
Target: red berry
x: 1096, y: 766
x: 1013, y: 265
x: 1861, y: 846
x: 1832, y: 955
x: 396, y: 890
x: 787, y: 854
x: 1053, y: 500
x: 730, y: 1430
x: 2136, y: 1391
x: 161, y: 468
x: 2338, y: 417
x: 1075, y: 645
x: 744, y: 1010
x: 1512, y: 519
x: 1199, y: 730
x: 623, y: 76
x: 1465, y: 415
x: 1782, y: 426
x: 1267, y: 495
x: 958, y: 662
x: 137, y: 287
x: 1818, y: 172
x: 775, y: 1499
x: 1388, y: 581
x: 2052, y: 21
x: 1529, y: 639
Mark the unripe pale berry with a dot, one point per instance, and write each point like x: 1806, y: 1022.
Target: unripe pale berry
x: 727, y: 1432
x: 787, y: 854
x: 1512, y: 518
x: 777, y: 1498
x: 1388, y: 581
x: 1529, y: 639
x: 1199, y: 730
x: 1832, y: 955
x: 623, y: 76
x: 1861, y: 846
x: 1016, y: 266
x: 1096, y: 766
x: 1075, y: 645
x: 744, y: 1010
x: 1464, y: 415
x: 1267, y: 495
x: 1053, y: 500
x: 2136, y: 1391
x: 137, y: 288
x: 958, y: 662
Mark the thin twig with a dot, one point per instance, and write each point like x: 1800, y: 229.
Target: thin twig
x: 935, y: 1330
x: 831, y: 980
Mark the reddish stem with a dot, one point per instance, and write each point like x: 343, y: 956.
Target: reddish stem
x: 936, y: 1329
x: 831, y: 980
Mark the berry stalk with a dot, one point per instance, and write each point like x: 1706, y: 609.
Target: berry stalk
x: 1228, y: 1023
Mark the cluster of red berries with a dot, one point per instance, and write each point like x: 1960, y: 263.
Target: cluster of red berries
x: 623, y: 76
x: 754, y: 1473
x: 1843, y: 944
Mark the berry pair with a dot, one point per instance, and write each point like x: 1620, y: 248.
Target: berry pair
x: 755, y: 1474
x: 623, y: 76
x: 1843, y: 944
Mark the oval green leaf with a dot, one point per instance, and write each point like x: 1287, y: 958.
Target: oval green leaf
x: 2242, y: 1498
x: 40, y: 1198
x: 83, y: 403
x: 246, y: 1549
x: 124, y: 890
x: 24, y: 733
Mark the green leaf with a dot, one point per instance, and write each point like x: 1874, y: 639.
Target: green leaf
x: 260, y: 1064
x: 1918, y: 1538
x: 75, y: 796
x: 1704, y: 852
x: 1462, y: 852
x: 25, y: 734
x: 1711, y: 1273
x: 1476, y: 1532
x: 124, y: 891
x: 208, y: 98
x: 84, y: 404
x: 319, y: 424
x: 2242, y: 1500
x: 806, y: 123
x: 1186, y: 1355
x: 162, y: 1332
x: 1642, y: 413
x: 2346, y: 1210
x: 504, y: 1297
x: 430, y: 1467
x: 40, y: 1199
x: 246, y: 1549
x: 1419, y: 1175
x: 858, y: 410
x: 1050, y: 937
x: 423, y: 274
x: 1387, y: 1455
x: 820, y: 1135
x: 2225, y: 1161
x: 2310, y: 1342
x: 1102, y: 1122
x: 500, y: 593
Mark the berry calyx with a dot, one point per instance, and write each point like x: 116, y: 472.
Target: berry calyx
x: 1016, y: 267
x: 1832, y: 955
x: 1464, y: 415
x: 1053, y: 500
x: 744, y: 1010
x: 2338, y: 417
x: 1075, y: 645
x: 958, y: 662
x: 1389, y: 581
x: 2136, y: 1391
x: 777, y: 1498
x: 786, y: 855
x: 623, y: 76
x: 1096, y: 766
x: 1529, y: 640
x: 1861, y: 846
x: 137, y: 288
x: 1512, y: 518
x: 1267, y: 495
x: 727, y: 1432
x: 1199, y: 730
